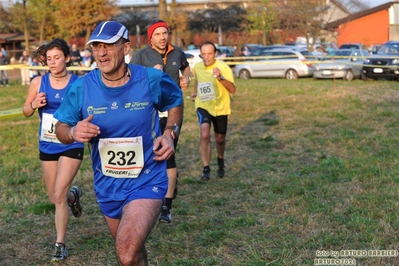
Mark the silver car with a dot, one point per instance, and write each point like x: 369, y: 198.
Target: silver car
x: 341, y: 64
x: 277, y: 63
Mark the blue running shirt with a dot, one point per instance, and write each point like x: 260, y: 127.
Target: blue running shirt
x: 122, y: 154
x: 48, y: 142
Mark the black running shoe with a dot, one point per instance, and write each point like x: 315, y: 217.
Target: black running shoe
x: 221, y: 167
x: 175, y: 191
x: 166, y: 215
x: 76, y: 207
x: 206, y: 175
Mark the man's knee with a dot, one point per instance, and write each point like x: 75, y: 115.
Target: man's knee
x: 128, y: 254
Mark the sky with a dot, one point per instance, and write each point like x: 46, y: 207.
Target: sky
x: 372, y: 3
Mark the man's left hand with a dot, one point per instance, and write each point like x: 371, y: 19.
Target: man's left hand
x: 163, y: 148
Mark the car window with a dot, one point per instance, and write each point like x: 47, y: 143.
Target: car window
x: 389, y: 48
x: 277, y: 55
x: 267, y: 53
x: 289, y: 55
x: 349, y: 46
x: 365, y: 53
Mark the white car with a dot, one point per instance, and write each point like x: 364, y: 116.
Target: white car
x: 344, y: 64
x: 277, y: 63
x: 193, y: 57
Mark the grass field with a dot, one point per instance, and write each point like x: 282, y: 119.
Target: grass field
x: 311, y: 167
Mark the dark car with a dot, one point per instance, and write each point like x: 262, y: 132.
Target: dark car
x: 252, y: 47
x: 353, y: 46
x: 384, y: 63
x: 225, y: 51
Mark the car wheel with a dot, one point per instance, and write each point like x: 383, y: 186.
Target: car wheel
x: 348, y: 75
x: 244, y: 74
x: 291, y: 74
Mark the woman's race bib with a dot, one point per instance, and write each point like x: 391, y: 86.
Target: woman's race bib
x: 48, y: 128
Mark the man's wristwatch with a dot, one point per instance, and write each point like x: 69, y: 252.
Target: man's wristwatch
x: 175, y: 130
x: 221, y: 78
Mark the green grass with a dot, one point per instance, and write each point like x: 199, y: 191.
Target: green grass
x: 312, y: 165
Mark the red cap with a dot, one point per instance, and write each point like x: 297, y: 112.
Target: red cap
x: 151, y: 28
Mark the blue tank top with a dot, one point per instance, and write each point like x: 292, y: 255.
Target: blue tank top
x: 48, y: 143
x: 126, y: 114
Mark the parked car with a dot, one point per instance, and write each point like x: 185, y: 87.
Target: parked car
x: 344, y: 63
x: 374, y: 48
x: 225, y: 51
x: 384, y: 63
x: 193, y: 57
x: 252, y: 47
x: 278, y: 63
x: 262, y: 49
x: 353, y: 46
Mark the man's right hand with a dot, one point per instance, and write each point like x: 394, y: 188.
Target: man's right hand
x: 85, y: 130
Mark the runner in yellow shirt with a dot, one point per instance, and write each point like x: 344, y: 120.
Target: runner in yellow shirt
x: 214, y: 82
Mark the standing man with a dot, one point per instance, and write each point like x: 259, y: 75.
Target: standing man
x: 115, y: 109
x: 170, y: 59
x: 213, y: 84
x: 76, y: 58
x: 3, y: 72
x: 26, y: 60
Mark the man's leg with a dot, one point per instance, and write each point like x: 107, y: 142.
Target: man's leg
x: 166, y: 213
x: 220, y: 125
x: 131, y: 231
x: 205, y: 149
x: 220, y: 147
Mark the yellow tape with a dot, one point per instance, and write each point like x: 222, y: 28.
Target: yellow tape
x: 10, y: 113
x: 20, y: 66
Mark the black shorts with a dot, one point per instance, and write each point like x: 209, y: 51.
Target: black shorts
x: 72, y: 153
x: 219, y: 122
x: 171, y: 162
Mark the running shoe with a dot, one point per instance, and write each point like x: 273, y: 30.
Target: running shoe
x: 175, y: 191
x: 221, y: 167
x: 166, y: 215
x: 76, y: 207
x: 60, y: 253
x: 221, y: 172
x: 206, y: 174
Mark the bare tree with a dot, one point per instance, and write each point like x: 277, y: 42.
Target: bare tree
x: 354, y: 5
x: 19, y: 18
x: 162, y: 9
x: 5, y: 25
x: 41, y: 11
x: 303, y: 18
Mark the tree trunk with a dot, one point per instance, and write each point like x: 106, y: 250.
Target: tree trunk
x: 175, y: 25
x: 25, y: 25
x: 162, y: 9
x: 42, y: 25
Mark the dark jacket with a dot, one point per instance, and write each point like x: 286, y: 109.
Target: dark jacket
x: 173, y: 61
